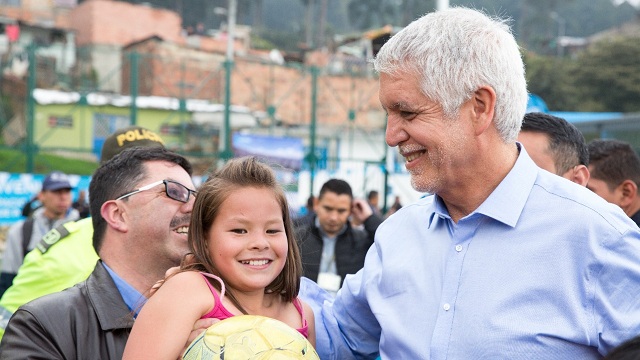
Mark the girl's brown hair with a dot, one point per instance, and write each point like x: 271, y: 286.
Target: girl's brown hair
x: 234, y: 176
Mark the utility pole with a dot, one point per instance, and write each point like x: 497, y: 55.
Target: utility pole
x: 133, y: 87
x: 561, y: 31
x: 322, y: 27
x: 227, y: 153
x: 311, y: 156
x: 308, y: 18
x: 31, y: 108
x: 442, y: 4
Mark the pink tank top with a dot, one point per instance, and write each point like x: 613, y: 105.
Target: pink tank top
x: 220, y: 312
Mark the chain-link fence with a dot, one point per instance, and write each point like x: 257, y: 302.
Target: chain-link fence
x: 182, y: 93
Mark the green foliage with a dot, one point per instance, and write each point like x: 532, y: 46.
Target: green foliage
x: 284, y: 40
x: 608, y: 73
x: 260, y: 43
x: 372, y: 14
x: 364, y: 15
x: 605, y: 77
x: 549, y: 77
x: 532, y: 22
x: 6, y: 112
x: 15, y: 161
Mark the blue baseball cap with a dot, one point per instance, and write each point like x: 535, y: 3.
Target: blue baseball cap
x: 56, y: 181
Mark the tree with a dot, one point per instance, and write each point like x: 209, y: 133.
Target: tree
x: 322, y: 26
x: 413, y: 9
x: 371, y: 14
x: 551, y: 78
x: 308, y: 20
x: 608, y: 74
x: 258, y: 13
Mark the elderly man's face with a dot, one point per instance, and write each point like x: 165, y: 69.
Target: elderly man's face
x: 435, y: 149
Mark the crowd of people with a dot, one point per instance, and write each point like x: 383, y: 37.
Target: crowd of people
x: 525, y: 245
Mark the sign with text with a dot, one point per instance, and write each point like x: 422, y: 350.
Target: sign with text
x: 17, y: 189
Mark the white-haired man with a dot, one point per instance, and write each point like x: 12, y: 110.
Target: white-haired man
x: 505, y: 260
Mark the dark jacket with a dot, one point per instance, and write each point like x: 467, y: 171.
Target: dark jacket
x: 87, y: 321
x: 351, y: 246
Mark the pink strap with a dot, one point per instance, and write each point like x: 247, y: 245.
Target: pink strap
x: 296, y: 302
x: 219, y: 280
x: 298, y: 305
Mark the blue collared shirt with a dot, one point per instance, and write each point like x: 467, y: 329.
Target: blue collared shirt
x: 543, y: 269
x: 132, y: 297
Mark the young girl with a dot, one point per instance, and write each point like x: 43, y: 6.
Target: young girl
x: 246, y: 261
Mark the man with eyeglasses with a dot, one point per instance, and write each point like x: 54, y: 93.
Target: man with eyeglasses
x: 173, y: 189
x: 65, y: 256
x: 141, y: 203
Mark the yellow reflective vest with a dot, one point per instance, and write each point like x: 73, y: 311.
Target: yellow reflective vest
x: 64, y: 257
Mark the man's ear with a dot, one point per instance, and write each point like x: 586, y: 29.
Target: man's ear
x: 484, y: 103
x: 580, y: 175
x: 628, y: 190
x: 113, y: 213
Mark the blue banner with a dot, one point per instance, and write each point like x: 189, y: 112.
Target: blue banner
x: 17, y: 189
x: 286, y: 151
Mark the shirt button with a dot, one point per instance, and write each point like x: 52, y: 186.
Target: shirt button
x: 458, y: 248
x: 446, y: 307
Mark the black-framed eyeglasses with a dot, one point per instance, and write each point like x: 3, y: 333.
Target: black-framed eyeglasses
x: 173, y: 189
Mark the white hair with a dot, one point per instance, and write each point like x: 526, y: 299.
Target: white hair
x: 455, y: 52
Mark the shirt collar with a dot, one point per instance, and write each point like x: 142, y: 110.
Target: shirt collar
x: 132, y: 297
x: 506, y: 202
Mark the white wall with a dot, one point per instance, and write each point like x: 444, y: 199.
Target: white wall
x: 354, y: 148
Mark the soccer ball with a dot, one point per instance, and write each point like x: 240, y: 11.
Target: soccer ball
x: 250, y: 337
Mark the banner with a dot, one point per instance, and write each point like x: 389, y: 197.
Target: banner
x: 17, y: 189
x: 285, y: 151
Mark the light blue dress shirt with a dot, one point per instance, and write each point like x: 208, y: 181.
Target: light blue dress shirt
x: 543, y: 269
x: 132, y: 297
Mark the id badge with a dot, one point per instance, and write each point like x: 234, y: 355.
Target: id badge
x: 329, y: 282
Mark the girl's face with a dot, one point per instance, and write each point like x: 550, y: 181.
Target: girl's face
x: 247, y: 239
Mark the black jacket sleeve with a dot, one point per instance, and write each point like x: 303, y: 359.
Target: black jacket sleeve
x: 25, y: 338
x: 371, y: 225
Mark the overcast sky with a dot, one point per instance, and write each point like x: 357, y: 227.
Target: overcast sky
x: 635, y: 3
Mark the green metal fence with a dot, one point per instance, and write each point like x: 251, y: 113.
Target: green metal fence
x: 329, y: 107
